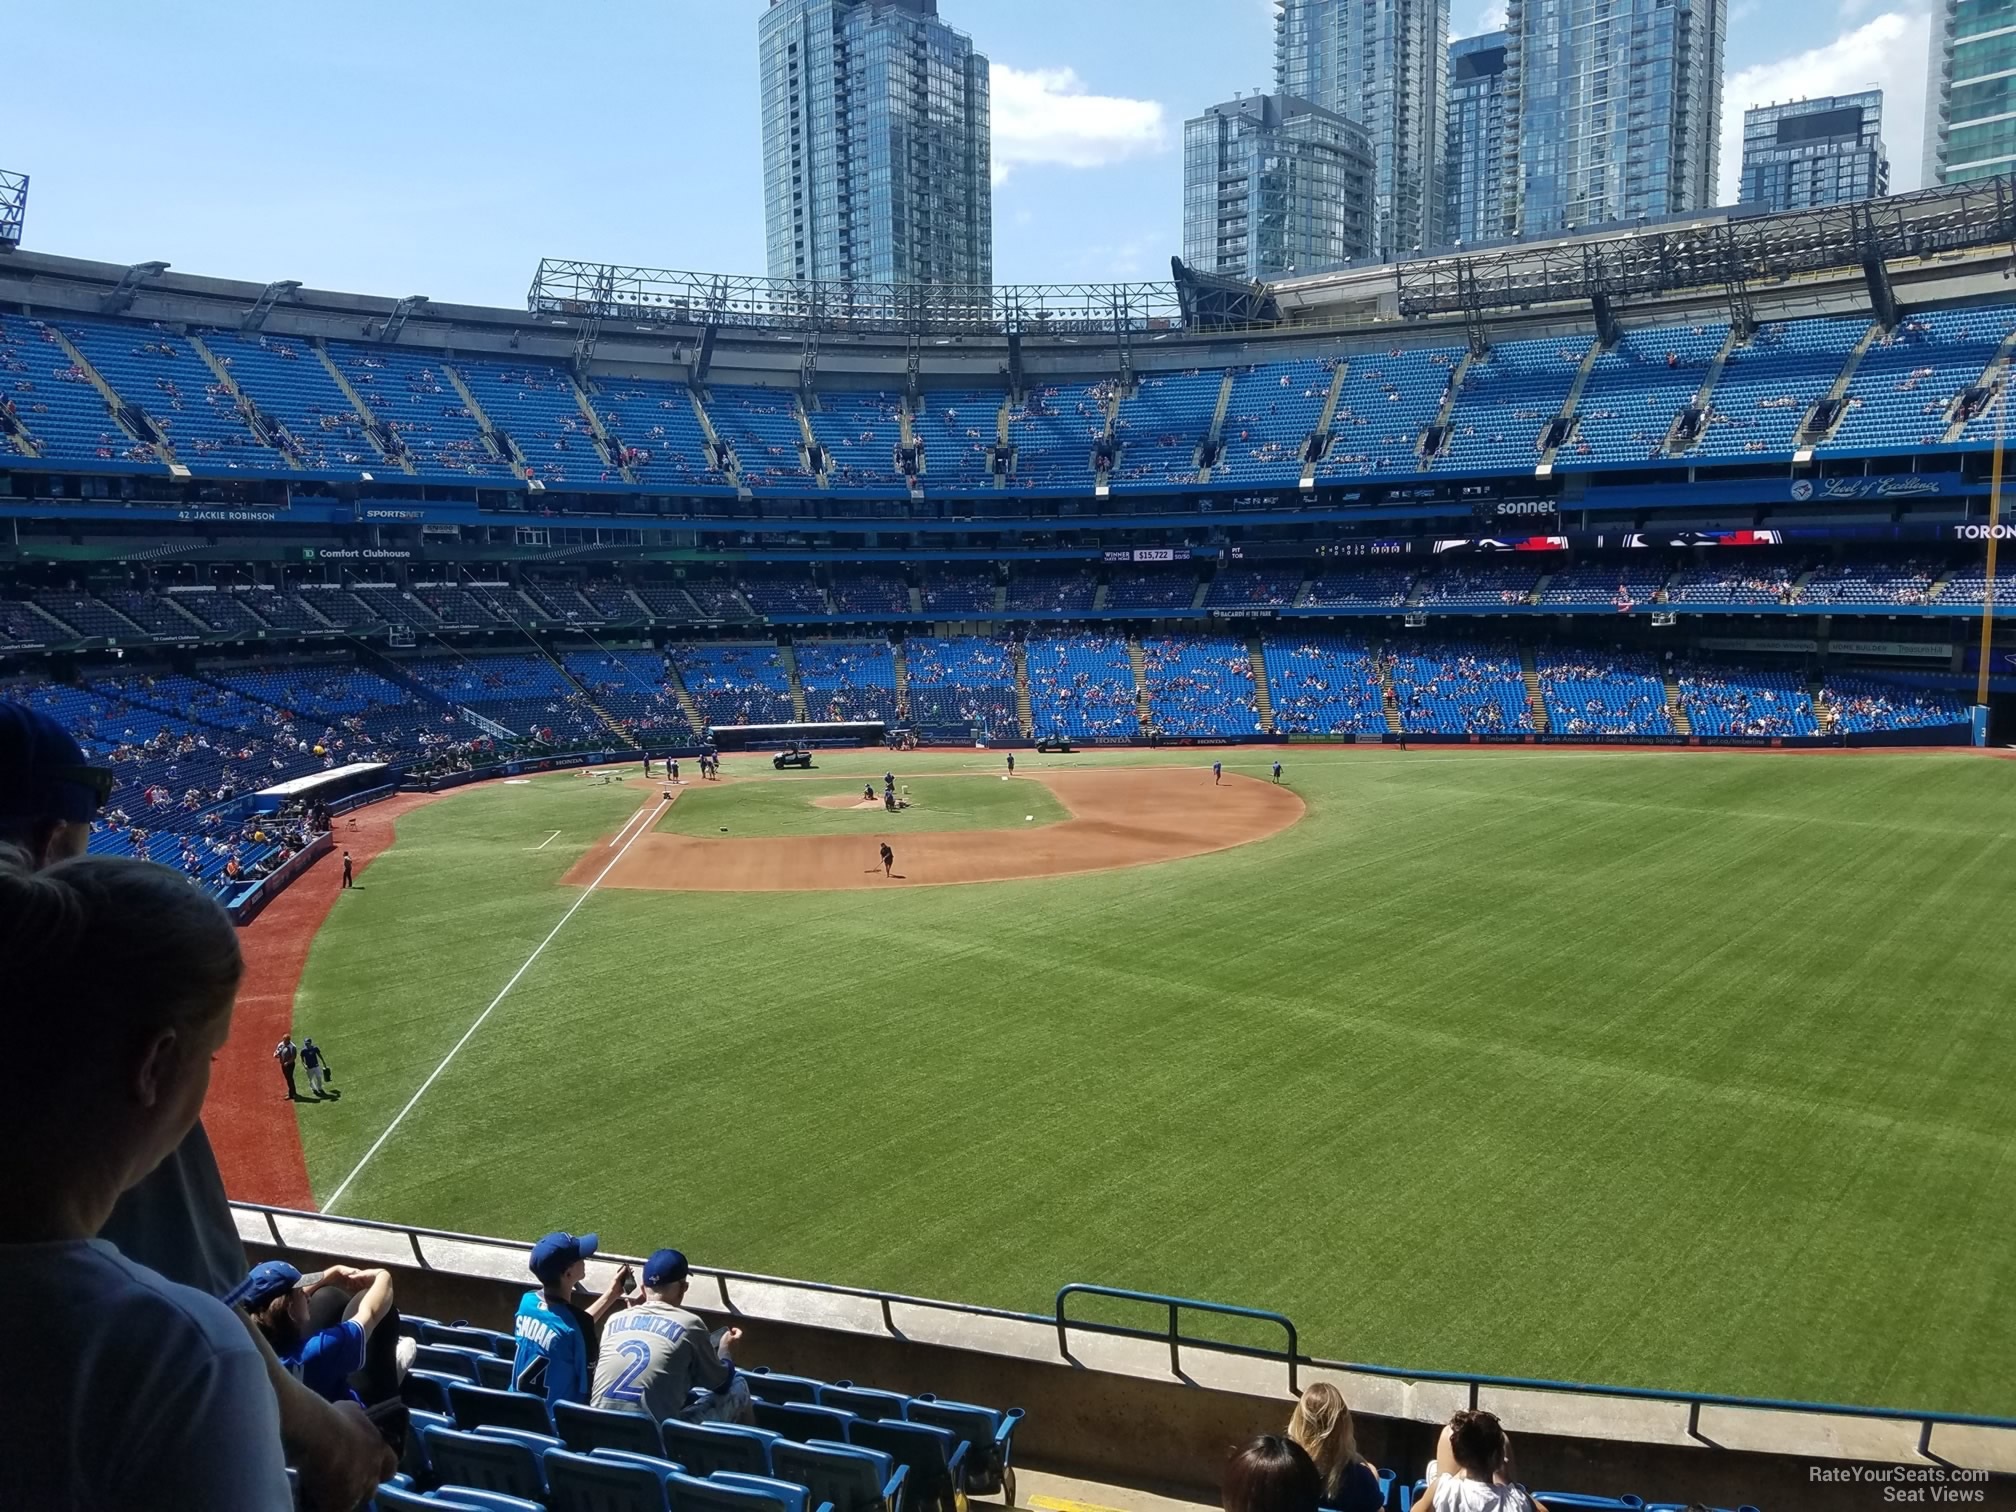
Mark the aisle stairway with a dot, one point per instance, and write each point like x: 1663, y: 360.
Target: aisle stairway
x: 1535, y: 700
x: 1139, y: 661
x: 609, y: 722
x: 1675, y: 709
x: 902, y: 676
x: 1025, y: 712
x: 1262, y: 701
x: 1388, y: 699
x: 789, y: 657
x: 686, y: 705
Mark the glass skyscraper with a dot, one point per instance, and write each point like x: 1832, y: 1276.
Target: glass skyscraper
x: 1808, y: 153
x: 1273, y: 185
x: 1970, y: 96
x: 1385, y: 65
x: 1473, y: 165
x: 1612, y: 110
x: 875, y: 144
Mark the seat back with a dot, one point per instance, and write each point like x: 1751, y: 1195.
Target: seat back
x: 493, y: 1371
x: 924, y: 1449
x: 486, y: 1462
x: 851, y: 1479
x: 768, y: 1386
x: 864, y: 1401
x: 591, y: 1483
x: 428, y: 1391
x: 478, y: 1406
x: 482, y: 1501
x: 449, y: 1360
x: 790, y: 1493
x: 414, y: 1461
x: 711, y: 1448
x: 1576, y: 1499
x: 979, y: 1427
x: 797, y: 1420
x: 482, y: 1340
x: 586, y: 1429
x: 689, y: 1493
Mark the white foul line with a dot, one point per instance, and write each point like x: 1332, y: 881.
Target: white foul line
x: 337, y: 1195
x: 549, y: 840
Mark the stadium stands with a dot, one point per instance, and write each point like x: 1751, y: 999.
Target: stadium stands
x: 761, y: 427
x: 655, y: 431
x: 1200, y: 685
x: 535, y: 406
x: 1324, y: 685
x: 1636, y: 390
x: 862, y: 592
x: 1617, y: 584
x: 1052, y: 432
x: 1615, y: 694
x: 1051, y: 592
x: 1387, y: 400
x: 414, y: 399
x: 1254, y: 587
x: 1731, y: 700
x: 1151, y: 588
x: 1725, y: 583
x: 630, y: 687
x: 1506, y: 400
x: 734, y: 684
x: 528, y: 695
x: 962, y: 681
x: 284, y: 378
x: 1858, y: 705
x: 151, y: 367
x: 1351, y: 587
x: 1901, y: 397
x: 1877, y: 583
x: 1461, y: 688
x: 1160, y: 425
x: 956, y: 590
x: 1082, y: 686
x: 1770, y: 382
x: 1480, y: 584
x: 1273, y: 410
x: 860, y: 433
x: 958, y: 428
x: 847, y: 679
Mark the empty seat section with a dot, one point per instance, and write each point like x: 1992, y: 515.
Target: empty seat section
x: 1160, y: 425
x: 1152, y: 588
x: 1905, y: 385
x: 1387, y: 400
x: 226, y: 610
x: 863, y: 592
x: 157, y: 371
x: 655, y: 431
x: 527, y: 695
x: 1039, y: 592
x: 958, y: 427
x: 412, y: 396
x: 285, y: 379
x: 860, y: 433
x: 1479, y: 584
x: 957, y: 590
x: 1507, y: 399
x: 1616, y: 584
x: 1636, y: 390
x: 1258, y: 587
x: 760, y: 425
x: 1348, y: 587
x: 1052, y: 432
x: 1273, y: 410
x: 1768, y: 385
x: 630, y: 687
x: 784, y: 590
x: 536, y: 406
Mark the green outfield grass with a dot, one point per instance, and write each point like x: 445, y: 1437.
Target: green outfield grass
x: 1686, y: 1071
x: 785, y: 806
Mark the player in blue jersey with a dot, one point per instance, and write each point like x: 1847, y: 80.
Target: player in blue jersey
x: 1217, y: 773
x: 556, y: 1331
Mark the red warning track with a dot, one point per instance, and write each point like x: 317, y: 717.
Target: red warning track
x: 250, y: 1121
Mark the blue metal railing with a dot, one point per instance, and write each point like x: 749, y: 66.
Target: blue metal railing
x: 1291, y: 1355
x: 1177, y: 1339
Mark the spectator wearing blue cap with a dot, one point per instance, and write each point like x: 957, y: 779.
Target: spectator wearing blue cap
x: 655, y: 1354
x: 555, y: 1328
x: 282, y: 1304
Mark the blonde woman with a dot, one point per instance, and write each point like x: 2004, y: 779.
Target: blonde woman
x: 1322, y: 1426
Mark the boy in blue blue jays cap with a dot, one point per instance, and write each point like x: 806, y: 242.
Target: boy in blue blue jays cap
x: 556, y: 1332
x: 656, y: 1354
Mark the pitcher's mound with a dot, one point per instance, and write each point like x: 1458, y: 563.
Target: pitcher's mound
x: 846, y: 801
x: 1121, y: 816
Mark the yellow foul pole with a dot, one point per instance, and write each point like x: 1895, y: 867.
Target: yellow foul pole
x: 1994, y: 518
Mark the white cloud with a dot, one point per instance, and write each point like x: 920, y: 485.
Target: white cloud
x: 1886, y: 53
x: 1045, y: 115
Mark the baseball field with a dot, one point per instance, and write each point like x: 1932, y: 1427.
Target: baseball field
x: 1683, y: 1070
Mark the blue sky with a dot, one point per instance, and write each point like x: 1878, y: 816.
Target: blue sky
x: 428, y: 147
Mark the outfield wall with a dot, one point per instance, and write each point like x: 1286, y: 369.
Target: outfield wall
x: 1111, y: 1406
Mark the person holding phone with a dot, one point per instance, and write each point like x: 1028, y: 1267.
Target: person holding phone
x: 656, y: 1354
x: 555, y: 1329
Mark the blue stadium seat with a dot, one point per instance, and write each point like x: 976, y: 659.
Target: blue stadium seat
x: 850, y: 1478
x: 712, y: 1448
x: 802, y: 1420
x: 864, y: 1401
x: 478, y: 1406
x: 462, y: 1336
x: 1572, y: 1499
x: 989, y: 1435
x: 477, y: 1500
x: 493, y: 1371
x: 690, y: 1493
x: 429, y: 1391
x: 391, y: 1498
x: 788, y: 1494
x: 586, y: 1429
x: 444, y: 1360
x: 603, y: 1482
x: 935, y: 1458
x: 418, y: 1421
x: 487, y: 1462
x: 771, y: 1386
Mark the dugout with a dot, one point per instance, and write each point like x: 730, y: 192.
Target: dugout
x: 761, y: 737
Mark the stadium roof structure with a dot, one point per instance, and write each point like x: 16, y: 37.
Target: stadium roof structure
x: 13, y: 207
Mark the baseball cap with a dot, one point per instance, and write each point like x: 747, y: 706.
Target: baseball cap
x: 43, y: 773
x: 557, y: 1251
x: 666, y: 1267
x: 267, y: 1281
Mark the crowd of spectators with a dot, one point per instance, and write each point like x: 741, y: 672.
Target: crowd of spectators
x: 1082, y: 686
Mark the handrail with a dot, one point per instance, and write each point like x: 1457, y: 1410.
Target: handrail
x: 1177, y: 1340
x: 1291, y: 1356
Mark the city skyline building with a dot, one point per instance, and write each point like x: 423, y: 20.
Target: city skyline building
x: 1273, y: 186
x: 1803, y: 154
x: 1970, y: 92
x: 1613, y: 111
x: 876, y: 146
x: 1474, y: 129
x: 1383, y: 64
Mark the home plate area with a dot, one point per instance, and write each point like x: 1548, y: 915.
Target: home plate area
x: 1118, y: 817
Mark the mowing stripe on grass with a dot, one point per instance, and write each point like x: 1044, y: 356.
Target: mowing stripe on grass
x: 432, y: 1076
